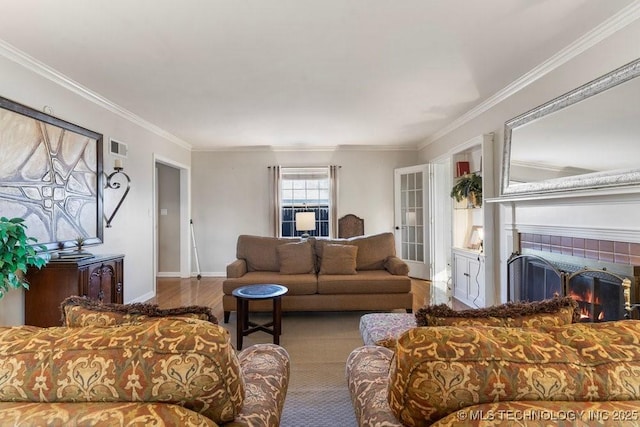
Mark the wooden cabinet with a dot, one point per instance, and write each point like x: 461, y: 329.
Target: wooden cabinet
x: 100, y: 278
x: 468, y: 274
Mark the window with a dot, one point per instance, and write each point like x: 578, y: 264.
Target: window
x: 312, y: 189
x: 305, y: 190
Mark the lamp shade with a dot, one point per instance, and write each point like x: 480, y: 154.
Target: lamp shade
x: 305, y: 221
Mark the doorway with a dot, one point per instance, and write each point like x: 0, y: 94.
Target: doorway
x: 172, y: 255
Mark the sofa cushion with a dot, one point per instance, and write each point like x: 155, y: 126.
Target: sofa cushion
x: 339, y: 259
x: 79, y: 311
x: 440, y: 370
x: 365, y: 282
x: 296, y: 258
x: 99, y: 414
x: 319, y: 245
x: 260, y: 252
x: 374, y: 250
x: 552, y: 312
x: 184, y: 361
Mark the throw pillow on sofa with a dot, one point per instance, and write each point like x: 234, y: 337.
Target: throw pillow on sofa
x: 396, y: 266
x: 552, y: 312
x: 339, y: 259
x: 373, y: 250
x: 80, y: 311
x: 296, y: 258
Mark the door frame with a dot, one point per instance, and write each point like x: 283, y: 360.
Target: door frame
x: 416, y: 269
x: 442, y: 230
x: 185, y: 216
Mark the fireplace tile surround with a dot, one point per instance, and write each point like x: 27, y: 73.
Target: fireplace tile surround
x: 602, y: 250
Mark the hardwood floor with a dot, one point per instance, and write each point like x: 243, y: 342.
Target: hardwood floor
x: 421, y: 290
x: 457, y: 305
x: 176, y: 292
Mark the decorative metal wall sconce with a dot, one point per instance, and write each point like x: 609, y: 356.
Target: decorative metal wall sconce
x: 117, y: 170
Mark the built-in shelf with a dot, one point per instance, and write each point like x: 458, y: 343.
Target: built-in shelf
x: 472, y: 262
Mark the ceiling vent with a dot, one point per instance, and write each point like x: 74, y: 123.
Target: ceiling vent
x: 118, y: 148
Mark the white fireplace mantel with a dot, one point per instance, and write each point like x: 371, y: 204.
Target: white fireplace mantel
x: 601, y: 233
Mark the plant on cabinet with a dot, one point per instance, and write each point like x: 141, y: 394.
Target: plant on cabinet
x: 18, y: 252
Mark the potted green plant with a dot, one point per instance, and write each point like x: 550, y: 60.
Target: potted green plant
x: 18, y: 252
x: 468, y: 186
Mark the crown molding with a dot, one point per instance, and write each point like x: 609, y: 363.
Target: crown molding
x: 305, y: 148
x: 256, y: 148
x: 617, y: 22
x: 12, y: 53
x: 377, y: 147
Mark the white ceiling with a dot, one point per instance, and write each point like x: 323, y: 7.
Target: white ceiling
x: 297, y: 73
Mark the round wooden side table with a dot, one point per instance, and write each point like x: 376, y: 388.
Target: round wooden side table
x: 248, y: 293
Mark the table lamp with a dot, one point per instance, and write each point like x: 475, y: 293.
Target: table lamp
x: 305, y: 221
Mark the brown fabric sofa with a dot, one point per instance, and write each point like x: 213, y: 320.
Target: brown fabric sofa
x: 359, y: 273
x: 574, y: 374
x: 142, y: 371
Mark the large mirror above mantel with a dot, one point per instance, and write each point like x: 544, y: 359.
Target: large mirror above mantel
x: 587, y: 140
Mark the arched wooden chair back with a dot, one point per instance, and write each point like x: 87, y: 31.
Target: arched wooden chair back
x: 350, y: 226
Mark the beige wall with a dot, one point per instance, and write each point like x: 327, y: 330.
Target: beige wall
x: 231, y: 193
x: 613, y: 213
x: 132, y: 231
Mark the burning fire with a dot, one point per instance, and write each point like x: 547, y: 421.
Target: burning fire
x: 586, y: 301
x: 586, y: 296
x: 584, y: 313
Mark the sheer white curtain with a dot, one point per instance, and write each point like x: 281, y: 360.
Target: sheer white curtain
x: 333, y: 196
x: 276, y: 208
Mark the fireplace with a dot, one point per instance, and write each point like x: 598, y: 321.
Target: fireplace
x: 600, y: 295
x: 604, y: 291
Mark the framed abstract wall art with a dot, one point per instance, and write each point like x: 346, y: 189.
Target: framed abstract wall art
x: 50, y: 175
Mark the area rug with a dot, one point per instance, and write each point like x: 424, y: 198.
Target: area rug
x: 318, y: 344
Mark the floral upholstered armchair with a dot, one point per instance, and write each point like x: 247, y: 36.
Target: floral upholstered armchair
x: 116, y: 368
x: 466, y: 373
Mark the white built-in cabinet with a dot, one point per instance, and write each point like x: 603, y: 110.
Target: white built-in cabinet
x: 473, y: 228
x: 468, y: 278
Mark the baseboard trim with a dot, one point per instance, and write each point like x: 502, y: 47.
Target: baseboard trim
x: 209, y: 274
x: 176, y: 274
x: 143, y: 298
x: 168, y: 274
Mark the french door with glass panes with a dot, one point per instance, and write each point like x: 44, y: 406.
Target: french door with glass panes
x: 411, y: 219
